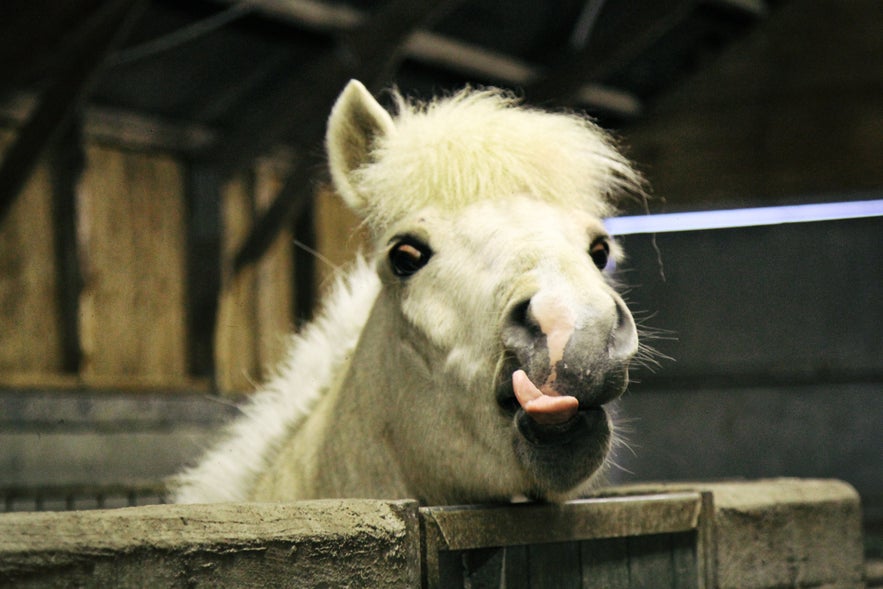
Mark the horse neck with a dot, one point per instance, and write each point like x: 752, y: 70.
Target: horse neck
x: 368, y: 404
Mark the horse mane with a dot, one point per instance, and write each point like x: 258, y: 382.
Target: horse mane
x: 484, y: 144
x: 314, y: 357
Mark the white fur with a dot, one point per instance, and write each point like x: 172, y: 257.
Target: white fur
x: 390, y: 392
x: 228, y: 471
x: 476, y: 145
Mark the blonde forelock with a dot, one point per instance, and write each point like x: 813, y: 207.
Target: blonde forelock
x: 482, y: 144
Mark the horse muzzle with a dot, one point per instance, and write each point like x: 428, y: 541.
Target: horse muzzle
x: 581, y: 353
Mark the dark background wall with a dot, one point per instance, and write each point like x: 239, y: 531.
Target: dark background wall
x: 771, y: 355
x: 774, y: 332
x: 792, y: 113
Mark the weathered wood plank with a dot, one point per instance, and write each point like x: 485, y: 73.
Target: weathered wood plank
x: 30, y: 335
x: 484, y: 568
x: 515, y: 565
x: 776, y: 532
x: 555, y: 565
x: 605, y: 564
x: 132, y: 212
x: 255, y: 314
x: 275, y: 272
x: 463, y: 528
x: 309, y: 544
x: 67, y: 162
x: 35, y: 458
x: 650, y: 562
x: 339, y: 235
x: 237, y: 363
x: 76, y: 71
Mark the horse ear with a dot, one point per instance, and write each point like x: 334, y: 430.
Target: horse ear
x: 356, y: 120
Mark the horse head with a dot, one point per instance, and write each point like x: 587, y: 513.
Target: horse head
x: 493, y: 261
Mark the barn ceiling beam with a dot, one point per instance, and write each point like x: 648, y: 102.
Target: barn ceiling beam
x: 619, y: 36
x: 452, y: 54
x: 370, y: 52
x: 120, y: 127
x: 611, y: 46
x: 60, y: 101
x: 288, y: 110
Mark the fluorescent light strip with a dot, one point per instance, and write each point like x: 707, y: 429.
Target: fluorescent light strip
x: 699, y: 220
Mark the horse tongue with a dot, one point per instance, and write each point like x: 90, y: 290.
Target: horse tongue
x: 543, y: 408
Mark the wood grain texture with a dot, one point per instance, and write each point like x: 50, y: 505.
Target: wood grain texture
x: 310, y: 544
x: 339, y: 235
x: 235, y: 336
x: 30, y: 335
x: 255, y: 313
x: 132, y: 215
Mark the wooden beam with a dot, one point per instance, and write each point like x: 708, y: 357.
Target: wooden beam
x: 452, y: 54
x: 305, y: 287
x: 36, y: 37
x: 286, y: 210
x: 68, y: 163
x: 60, y: 101
x: 204, y: 228
x: 288, y: 110
x: 621, y: 34
x: 371, y: 53
x: 754, y: 8
x: 121, y: 127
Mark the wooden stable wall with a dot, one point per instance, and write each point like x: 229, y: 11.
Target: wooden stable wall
x: 132, y: 250
x: 30, y: 339
x: 131, y: 216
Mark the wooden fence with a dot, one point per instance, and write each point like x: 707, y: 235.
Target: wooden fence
x: 754, y: 535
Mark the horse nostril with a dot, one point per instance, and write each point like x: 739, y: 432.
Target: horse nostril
x: 520, y: 315
x: 521, y: 331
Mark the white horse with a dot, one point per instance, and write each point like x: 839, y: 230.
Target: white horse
x: 470, y: 357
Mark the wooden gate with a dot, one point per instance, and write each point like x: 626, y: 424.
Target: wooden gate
x: 646, y: 541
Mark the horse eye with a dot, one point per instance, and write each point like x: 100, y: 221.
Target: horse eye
x: 600, y: 252
x: 408, y: 256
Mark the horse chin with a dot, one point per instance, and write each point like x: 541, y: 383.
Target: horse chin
x: 560, y: 457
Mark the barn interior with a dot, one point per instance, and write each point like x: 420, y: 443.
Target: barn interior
x: 165, y: 218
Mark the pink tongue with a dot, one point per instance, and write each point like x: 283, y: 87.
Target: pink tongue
x: 545, y: 409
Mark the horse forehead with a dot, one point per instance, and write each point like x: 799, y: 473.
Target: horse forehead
x: 524, y: 224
